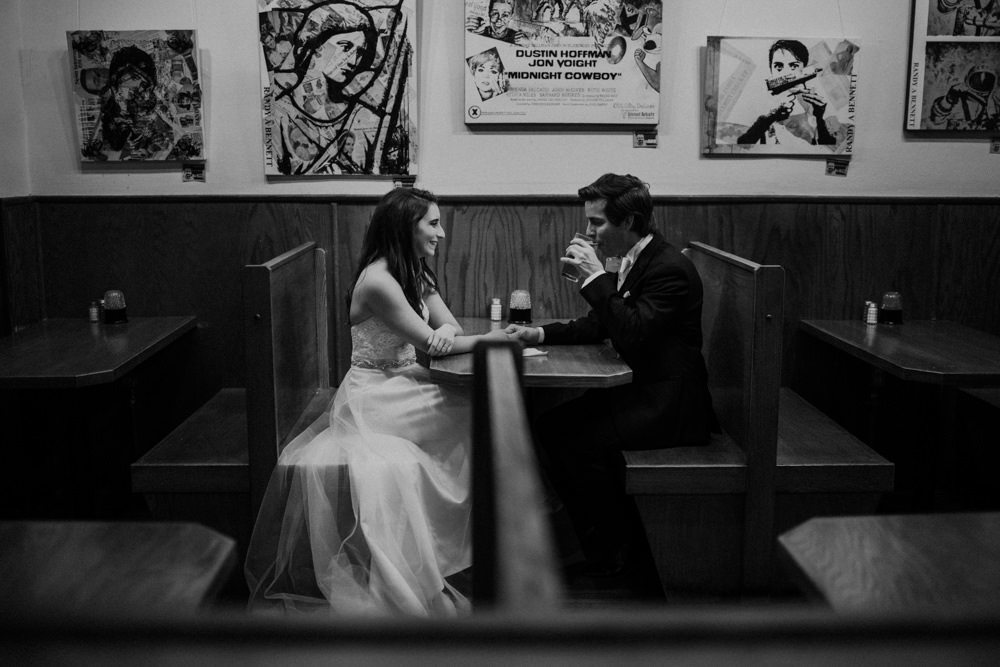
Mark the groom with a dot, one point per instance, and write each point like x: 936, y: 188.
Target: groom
x: 651, y: 312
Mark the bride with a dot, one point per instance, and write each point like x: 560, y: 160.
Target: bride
x: 368, y: 510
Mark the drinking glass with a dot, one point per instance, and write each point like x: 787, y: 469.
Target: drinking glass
x: 114, y: 307
x: 519, y: 309
x: 569, y: 271
x: 891, y: 310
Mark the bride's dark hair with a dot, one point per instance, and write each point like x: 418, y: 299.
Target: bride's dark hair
x: 390, y: 235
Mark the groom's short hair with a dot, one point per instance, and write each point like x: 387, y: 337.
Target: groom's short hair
x: 625, y: 196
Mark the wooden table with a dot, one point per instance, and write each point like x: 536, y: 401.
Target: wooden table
x: 933, y: 351
x: 940, y: 353
x: 565, y: 366
x: 86, y: 566
x: 898, y: 563
x: 81, y: 373
x: 70, y: 352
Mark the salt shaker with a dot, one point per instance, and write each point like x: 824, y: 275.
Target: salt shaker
x: 495, y: 309
x: 871, y: 312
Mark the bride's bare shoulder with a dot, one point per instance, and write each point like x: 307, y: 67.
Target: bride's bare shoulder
x: 375, y: 276
x: 373, y: 284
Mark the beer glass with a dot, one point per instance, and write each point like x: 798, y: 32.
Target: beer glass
x: 519, y: 307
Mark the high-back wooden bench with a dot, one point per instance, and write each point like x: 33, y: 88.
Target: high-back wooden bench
x: 214, y: 467
x: 288, y: 370
x: 712, y: 513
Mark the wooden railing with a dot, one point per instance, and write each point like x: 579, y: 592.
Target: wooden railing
x: 515, y: 565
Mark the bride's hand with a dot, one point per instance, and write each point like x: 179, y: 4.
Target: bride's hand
x: 441, y: 340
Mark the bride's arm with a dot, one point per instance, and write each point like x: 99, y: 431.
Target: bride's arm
x: 380, y: 294
x: 442, y: 320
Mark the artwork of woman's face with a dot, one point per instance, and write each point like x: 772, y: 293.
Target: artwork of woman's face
x: 348, y: 147
x: 338, y: 59
x: 485, y: 75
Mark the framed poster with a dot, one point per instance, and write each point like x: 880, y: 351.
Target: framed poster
x: 780, y: 96
x: 954, y: 66
x: 563, y: 61
x: 338, y: 87
x: 137, y: 95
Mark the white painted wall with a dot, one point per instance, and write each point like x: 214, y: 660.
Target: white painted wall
x: 14, y: 165
x: 456, y: 160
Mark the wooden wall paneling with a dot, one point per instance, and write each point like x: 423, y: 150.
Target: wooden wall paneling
x: 906, y: 238
x: 968, y: 265
x: 350, y: 223
x: 172, y: 257
x: 275, y: 227
x: 494, y: 249
x: 23, y: 283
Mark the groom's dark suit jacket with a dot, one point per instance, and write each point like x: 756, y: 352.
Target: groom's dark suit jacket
x: 654, y: 323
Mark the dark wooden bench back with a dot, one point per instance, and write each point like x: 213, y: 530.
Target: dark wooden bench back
x: 742, y: 320
x: 285, y: 313
x: 513, y: 550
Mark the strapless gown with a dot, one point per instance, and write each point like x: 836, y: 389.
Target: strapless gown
x: 368, y: 511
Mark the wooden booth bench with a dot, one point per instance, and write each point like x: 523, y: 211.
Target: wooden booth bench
x: 712, y: 514
x: 214, y: 467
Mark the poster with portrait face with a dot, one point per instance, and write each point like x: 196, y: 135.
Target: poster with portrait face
x: 780, y: 96
x: 338, y: 87
x: 563, y: 61
x: 954, y: 77
x: 137, y: 95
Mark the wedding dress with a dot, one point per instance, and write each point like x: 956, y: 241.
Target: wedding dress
x: 369, y: 509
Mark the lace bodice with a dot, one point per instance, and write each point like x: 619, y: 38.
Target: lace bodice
x: 375, y: 345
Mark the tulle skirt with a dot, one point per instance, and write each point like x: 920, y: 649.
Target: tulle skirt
x: 368, y: 510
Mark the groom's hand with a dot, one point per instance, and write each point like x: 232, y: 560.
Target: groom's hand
x: 527, y: 335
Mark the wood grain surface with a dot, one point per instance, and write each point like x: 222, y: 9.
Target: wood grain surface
x: 933, y: 351
x: 66, y: 352
x: 581, y: 366
x: 899, y: 562
x: 93, y: 567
